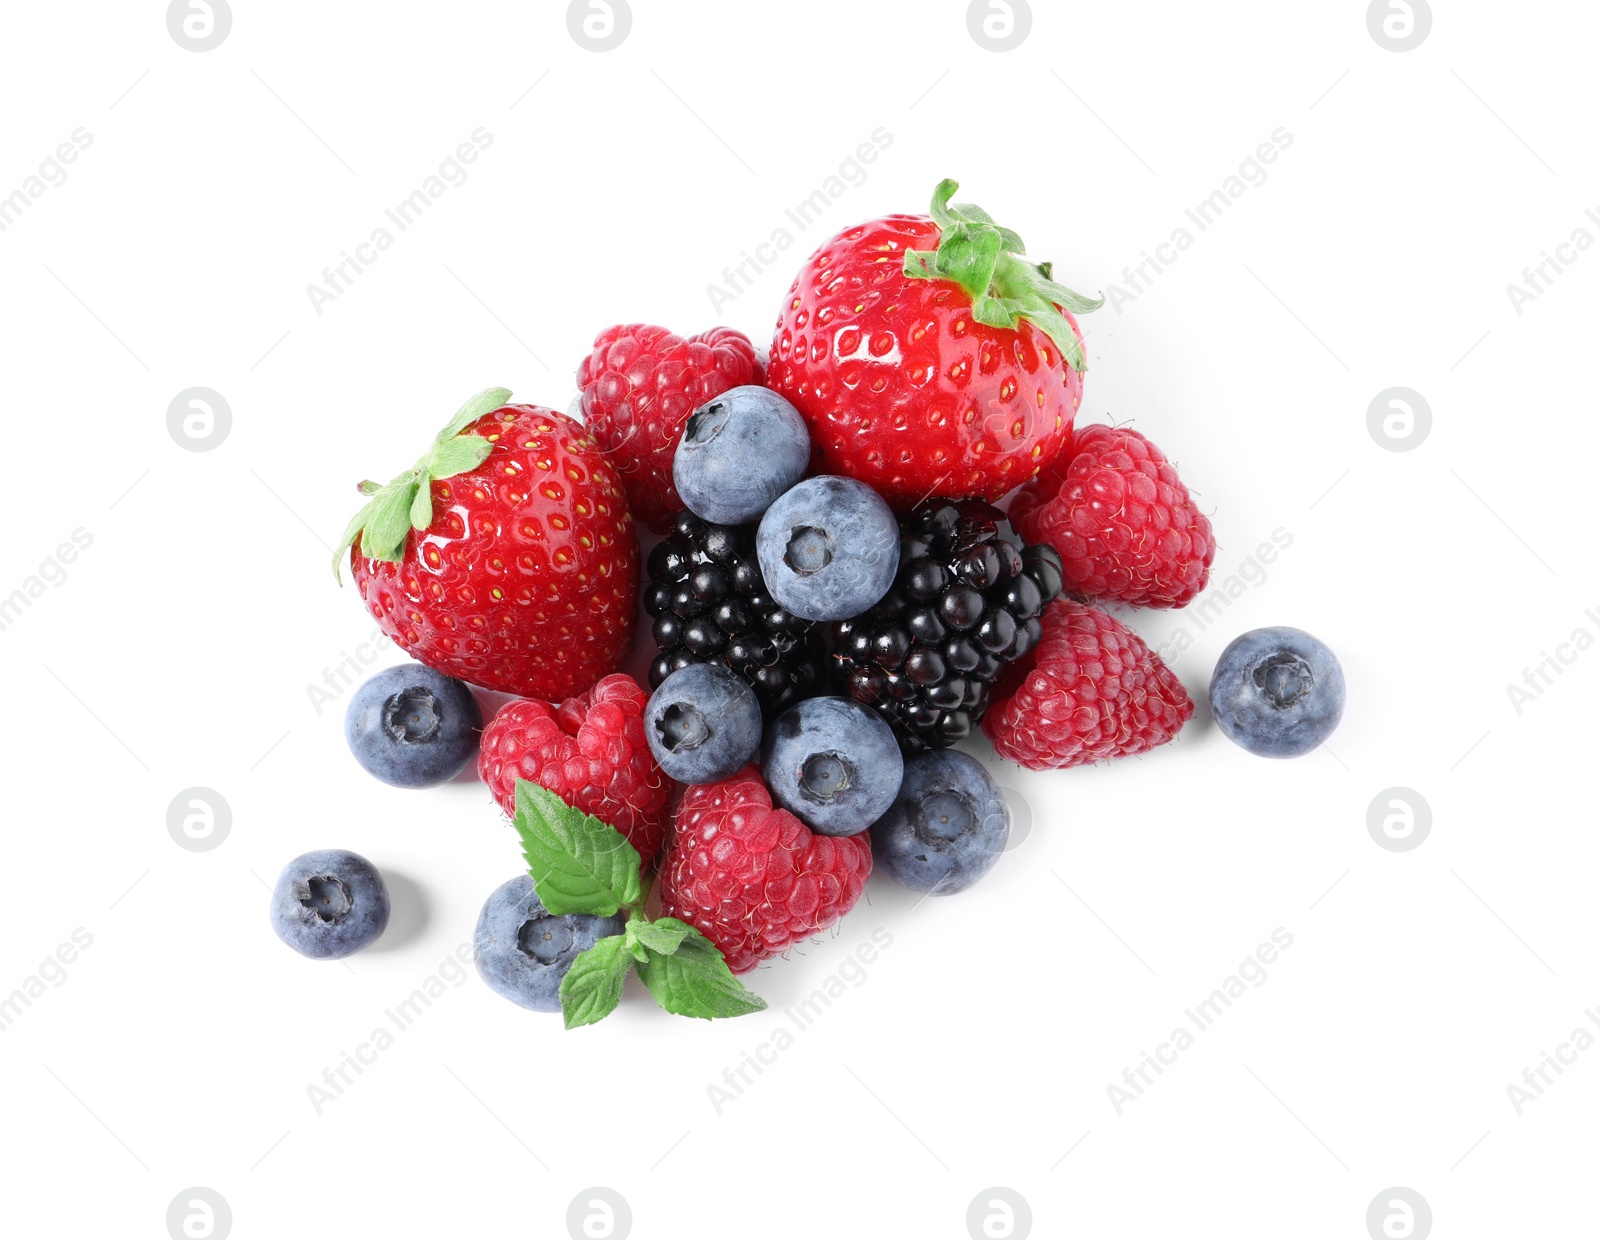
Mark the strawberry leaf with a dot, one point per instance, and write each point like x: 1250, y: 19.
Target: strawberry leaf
x: 421, y: 515
x: 578, y: 863
x: 390, y: 520
x: 486, y: 401
x: 592, y: 987
x: 458, y: 455
x: 406, y: 501
x: 987, y: 261
x: 695, y: 981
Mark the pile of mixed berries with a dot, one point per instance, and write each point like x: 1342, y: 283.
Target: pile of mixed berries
x: 880, y: 540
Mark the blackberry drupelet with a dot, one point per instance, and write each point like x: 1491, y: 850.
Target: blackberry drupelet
x: 964, y: 606
x: 709, y: 604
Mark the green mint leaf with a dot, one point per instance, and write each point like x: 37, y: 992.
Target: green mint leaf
x: 458, y: 455
x: 663, y: 936
x: 592, y: 987
x: 486, y: 401
x: 578, y: 863
x: 696, y: 981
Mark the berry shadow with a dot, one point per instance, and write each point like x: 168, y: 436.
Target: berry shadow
x: 410, y: 910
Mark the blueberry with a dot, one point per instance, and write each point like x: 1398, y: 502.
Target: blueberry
x: 1277, y: 692
x: 703, y: 723
x: 829, y: 548
x: 329, y: 904
x: 523, y: 952
x: 739, y: 452
x: 947, y: 827
x: 412, y: 727
x: 833, y: 763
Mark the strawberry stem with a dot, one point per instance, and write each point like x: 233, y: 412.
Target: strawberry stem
x: 989, y: 263
x: 405, y: 502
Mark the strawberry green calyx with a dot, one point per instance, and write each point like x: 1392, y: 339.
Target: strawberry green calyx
x: 405, y: 503
x: 988, y: 262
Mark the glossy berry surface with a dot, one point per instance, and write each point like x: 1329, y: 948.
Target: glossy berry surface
x: 708, y: 604
x: 751, y: 876
x: 902, y: 388
x: 964, y: 607
x: 833, y: 764
x: 639, y: 385
x: 413, y: 727
x: 946, y: 828
x: 1126, y: 527
x: 1092, y: 690
x: 329, y: 904
x: 525, y: 579
x: 1277, y: 692
x: 738, y: 453
x: 828, y: 548
x: 703, y: 723
x: 590, y: 751
x: 523, y: 952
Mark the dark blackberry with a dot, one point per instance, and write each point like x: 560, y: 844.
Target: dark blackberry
x: 709, y: 604
x: 964, y: 606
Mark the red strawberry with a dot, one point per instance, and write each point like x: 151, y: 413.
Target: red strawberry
x: 640, y: 384
x: 1125, y: 526
x: 590, y: 751
x: 752, y: 878
x: 1091, y: 690
x: 956, y: 371
x: 505, y: 556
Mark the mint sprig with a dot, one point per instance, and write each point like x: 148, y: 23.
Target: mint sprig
x: 580, y: 865
x: 405, y: 502
x: 989, y: 263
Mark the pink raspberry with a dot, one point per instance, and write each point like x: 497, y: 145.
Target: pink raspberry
x: 1091, y: 690
x: 1125, y: 526
x: 640, y: 384
x: 590, y: 751
x: 754, y: 879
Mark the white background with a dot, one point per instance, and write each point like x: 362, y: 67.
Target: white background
x: 977, y: 1052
